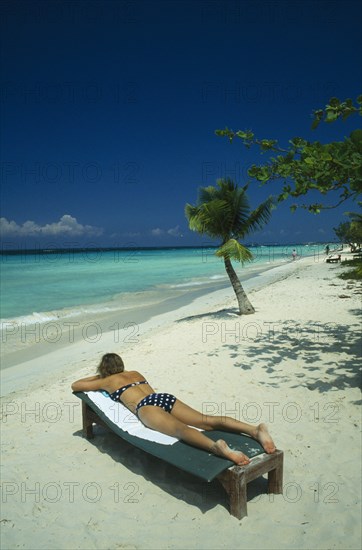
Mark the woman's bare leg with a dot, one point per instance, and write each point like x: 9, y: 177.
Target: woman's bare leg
x: 157, y: 419
x: 191, y: 417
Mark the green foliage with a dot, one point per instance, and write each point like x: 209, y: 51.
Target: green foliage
x: 355, y: 273
x: 223, y: 212
x: 337, y: 109
x: 306, y: 166
x: 235, y: 251
x: 350, y: 232
x: 342, y: 232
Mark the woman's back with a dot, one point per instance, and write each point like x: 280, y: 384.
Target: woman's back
x: 128, y: 387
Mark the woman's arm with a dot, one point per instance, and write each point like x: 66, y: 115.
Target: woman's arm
x: 91, y: 383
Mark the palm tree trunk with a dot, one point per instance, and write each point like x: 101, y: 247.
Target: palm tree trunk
x: 245, y: 307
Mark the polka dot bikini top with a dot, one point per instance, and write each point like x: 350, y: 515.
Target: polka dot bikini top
x: 116, y: 394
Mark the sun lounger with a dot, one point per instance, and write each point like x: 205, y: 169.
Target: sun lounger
x: 333, y: 258
x: 195, y: 461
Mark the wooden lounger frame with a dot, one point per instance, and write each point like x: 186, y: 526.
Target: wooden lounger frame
x: 234, y: 479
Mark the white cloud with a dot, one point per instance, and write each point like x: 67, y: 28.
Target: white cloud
x: 175, y: 231
x: 157, y: 232
x: 67, y: 225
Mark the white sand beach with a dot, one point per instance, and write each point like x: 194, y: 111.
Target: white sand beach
x: 294, y: 364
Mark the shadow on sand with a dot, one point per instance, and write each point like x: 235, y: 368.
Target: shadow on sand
x: 144, y: 469
x: 326, y: 355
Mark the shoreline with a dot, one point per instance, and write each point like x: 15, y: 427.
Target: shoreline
x: 22, y: 342
x: 20, y: 369
x: 294, y: 364
x: 41, y: 309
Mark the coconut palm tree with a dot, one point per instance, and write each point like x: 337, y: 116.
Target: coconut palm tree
x: 223, y: 212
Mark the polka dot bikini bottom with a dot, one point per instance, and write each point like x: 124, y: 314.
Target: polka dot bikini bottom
x: 164, y: 400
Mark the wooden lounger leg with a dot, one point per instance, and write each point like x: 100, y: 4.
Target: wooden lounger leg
x: 87, y: 421
x: 275, y: 477
x: 235, y: 480
x: 234, y: 483
x: 90, y: 418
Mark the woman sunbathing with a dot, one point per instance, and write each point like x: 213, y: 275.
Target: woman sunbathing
x: 166, y: 414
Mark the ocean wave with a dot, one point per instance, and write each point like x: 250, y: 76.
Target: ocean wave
x: 198, y: 282
x: 43, y: 317
x: 32, y: 319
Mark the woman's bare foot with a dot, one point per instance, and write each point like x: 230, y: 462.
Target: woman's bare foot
x: 220, y: 448
x: 264, y: 438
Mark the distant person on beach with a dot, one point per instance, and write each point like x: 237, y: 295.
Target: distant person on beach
x: 294, y: 254
x: 166, y: 414
x: 327, y: 249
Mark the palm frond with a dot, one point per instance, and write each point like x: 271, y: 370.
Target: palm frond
x: 234, y: 250
x: 260, y: 216
x: 207, y: 194
x: 223, y: 211
x: 208, y: 218
x: 238, y: 208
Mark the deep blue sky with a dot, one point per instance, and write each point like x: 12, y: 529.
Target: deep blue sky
x: 109, y: 111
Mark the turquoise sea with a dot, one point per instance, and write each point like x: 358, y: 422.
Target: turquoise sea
x: 45, y: 285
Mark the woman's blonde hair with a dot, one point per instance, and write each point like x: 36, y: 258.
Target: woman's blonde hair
x: 111, y: 363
